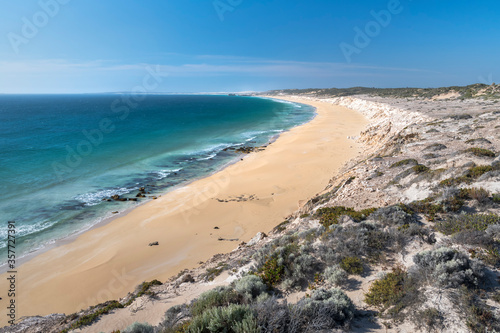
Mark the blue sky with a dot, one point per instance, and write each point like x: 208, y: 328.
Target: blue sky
x: 78, y: 46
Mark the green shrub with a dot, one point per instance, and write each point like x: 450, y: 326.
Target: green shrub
x: 478, y: 171
x: 464, y: 222
x: 145, y: 286
x: 272, y: 272
x: 387, y: 291
x: 496, y: 198
x: 471, y: 174
x: 420, y: 168
x: 352, y: 265
x: 330, y: 215
x: 404, y: 162
x: 478, y: 140
x: 479, y: 194
x: 377, y: 241
x: 427, y: 207
x: 144, y: 290
x: 480, y: 152
x: 283, y: 261
x: 448, y: 182
x: 90, y: 318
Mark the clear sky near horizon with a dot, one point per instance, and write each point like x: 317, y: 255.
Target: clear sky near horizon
x: 76, y: 46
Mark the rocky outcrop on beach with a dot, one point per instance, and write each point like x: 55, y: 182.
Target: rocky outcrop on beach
x: 405, y: 238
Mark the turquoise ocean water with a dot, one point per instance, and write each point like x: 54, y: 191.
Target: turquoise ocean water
x: 61, y: 155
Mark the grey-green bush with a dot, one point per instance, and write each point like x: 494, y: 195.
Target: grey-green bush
x: 326, y: 309
x: 473, y: 237
x: 494, y: 231
x: 230, y: 319
x: 393, y: 215
x: 448, y: 268
x: 336, y: 275
x: 358, y: 240
x: 139, y: 328
x: 296, y: 262
x: 251, y: 286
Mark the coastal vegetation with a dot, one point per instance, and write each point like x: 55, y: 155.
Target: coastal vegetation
x: 481, y: 152
x: 391, y: 241
x: 466, y: 92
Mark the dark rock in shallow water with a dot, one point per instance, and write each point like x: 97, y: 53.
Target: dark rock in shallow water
x: 115, y: 212
x: 140, y: 195
x: 115, y: 197
x: 154, y: 244
x: 132, y: 199
x: 142, y: 189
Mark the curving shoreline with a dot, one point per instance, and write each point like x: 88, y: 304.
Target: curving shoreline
x: 25, y: 257
x: 109, y: 261
x: 189, y: 165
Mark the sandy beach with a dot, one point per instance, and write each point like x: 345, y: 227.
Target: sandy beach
x: 109, y: 261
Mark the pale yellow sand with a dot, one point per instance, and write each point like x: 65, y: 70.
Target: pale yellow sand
x: 109, y: 261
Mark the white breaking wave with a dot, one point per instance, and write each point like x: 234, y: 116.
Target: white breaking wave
x: 94, y: 198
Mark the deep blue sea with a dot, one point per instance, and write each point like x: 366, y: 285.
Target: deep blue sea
x: 61, y: 155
